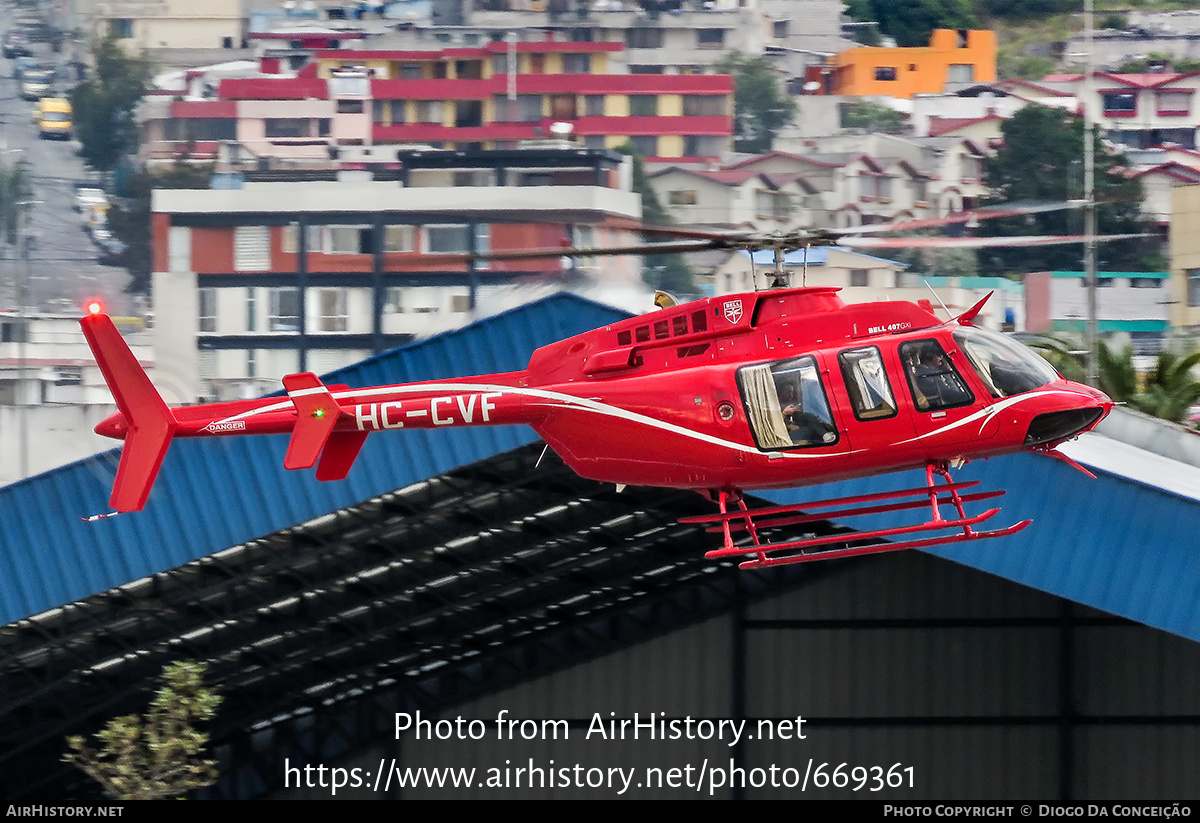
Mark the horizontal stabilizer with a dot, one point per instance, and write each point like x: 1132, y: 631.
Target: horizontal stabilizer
x: 316, y: 415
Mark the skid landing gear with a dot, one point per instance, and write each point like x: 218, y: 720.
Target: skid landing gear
x: 736, y: 521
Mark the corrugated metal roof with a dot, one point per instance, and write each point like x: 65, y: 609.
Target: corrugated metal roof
x: 213, y: 494
x: 1114, y: 543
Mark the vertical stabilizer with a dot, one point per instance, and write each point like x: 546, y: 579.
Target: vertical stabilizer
x: 149, y: 423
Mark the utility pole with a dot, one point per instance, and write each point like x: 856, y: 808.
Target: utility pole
x: 1092, y: 333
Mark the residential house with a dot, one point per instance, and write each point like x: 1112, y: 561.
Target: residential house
x: 951, y: 58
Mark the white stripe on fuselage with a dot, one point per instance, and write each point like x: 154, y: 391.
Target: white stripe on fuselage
x: 558, y: 400
x: 984, y: 415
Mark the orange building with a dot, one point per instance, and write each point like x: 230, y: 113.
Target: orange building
x: 951, y: 56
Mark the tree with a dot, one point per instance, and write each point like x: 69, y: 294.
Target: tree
x: 871, y: 116
x: 1166, y: 392
x: 669, y: 272
x: 103, y: 105
x: 15, y: 191
x: 158, y: 755
x: 129, y: 219
x: 1042, y: 159
x: 911, y: 22
x: 760, y: 109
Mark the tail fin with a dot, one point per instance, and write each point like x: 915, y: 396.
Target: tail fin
x: 150, y: 423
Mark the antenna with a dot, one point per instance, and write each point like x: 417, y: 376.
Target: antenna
x: 949, y: 314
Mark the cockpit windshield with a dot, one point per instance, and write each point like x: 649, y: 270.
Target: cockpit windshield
x: 1005, y: 366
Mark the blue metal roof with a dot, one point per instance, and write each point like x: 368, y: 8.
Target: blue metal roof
x: 1112, y: 543
x: 217, y: 493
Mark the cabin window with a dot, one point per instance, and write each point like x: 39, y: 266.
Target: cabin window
x: 679, y: 324
x: 934, y: 381
x: 867, y: 384
x: 699, y: 321
x: 624, y: 338
x: 661, y: 330
x: 786, y: 404
x: 1005, y: 366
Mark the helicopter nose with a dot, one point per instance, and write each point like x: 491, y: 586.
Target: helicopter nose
x: 113, y: 426
x: 1051, y: 428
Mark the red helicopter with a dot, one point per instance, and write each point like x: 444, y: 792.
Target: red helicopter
x: 771, y: 389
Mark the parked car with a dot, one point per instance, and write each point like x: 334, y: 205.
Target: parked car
x: 37, y: 83
x: 24, y: 63
x: 87, y: 195
x: 53, y: 118
x: 16, y: 45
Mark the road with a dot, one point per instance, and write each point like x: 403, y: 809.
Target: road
x: 63, y: 270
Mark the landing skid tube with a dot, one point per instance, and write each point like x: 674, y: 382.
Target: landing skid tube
x: 741, y: 520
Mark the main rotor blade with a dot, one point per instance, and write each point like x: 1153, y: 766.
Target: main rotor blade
x: 968, y: 216
x: 979, y: 242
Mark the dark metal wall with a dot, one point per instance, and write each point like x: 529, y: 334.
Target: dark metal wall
x: 986, y: 689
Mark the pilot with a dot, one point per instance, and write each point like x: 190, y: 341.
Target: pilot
x: 937, y: 380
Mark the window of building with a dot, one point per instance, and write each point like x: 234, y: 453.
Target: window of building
x: 1119, y: 103
x: 413, y: 71
x: 710, y: 38
x: 468, y: 113
x: 885, y: 72
x: 683, y: 197
x: 468, y: 69
x: 349, y: 107
x: 284, y: 308
x: 460, y: 303
x: 1193, y: 287
x: 331, y: 309
x: 398, y: 238
x: 291, y: 238
x: 430, y: 111
x: 179, y: 248
x: 644, y: 38
x: 593, y: 105
x: 780, y: 29
x: 251, y: 248
x: 577, y: 63
x: 206, y: 300
x: 860, y: 277
x: 1174, y: 103
x: 449, y: 238
x: 645, y: 144
x: 702, y: 145
x: 644, y: 69
x: 251, y: 308
x: 120, y: 28
x: 703, y: 105
x: 527, y: 108
x: 643, y: 105
x: 961, y: 73
x: 1144, y: 282
x: 348, y: 240
x: 287, y: 127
